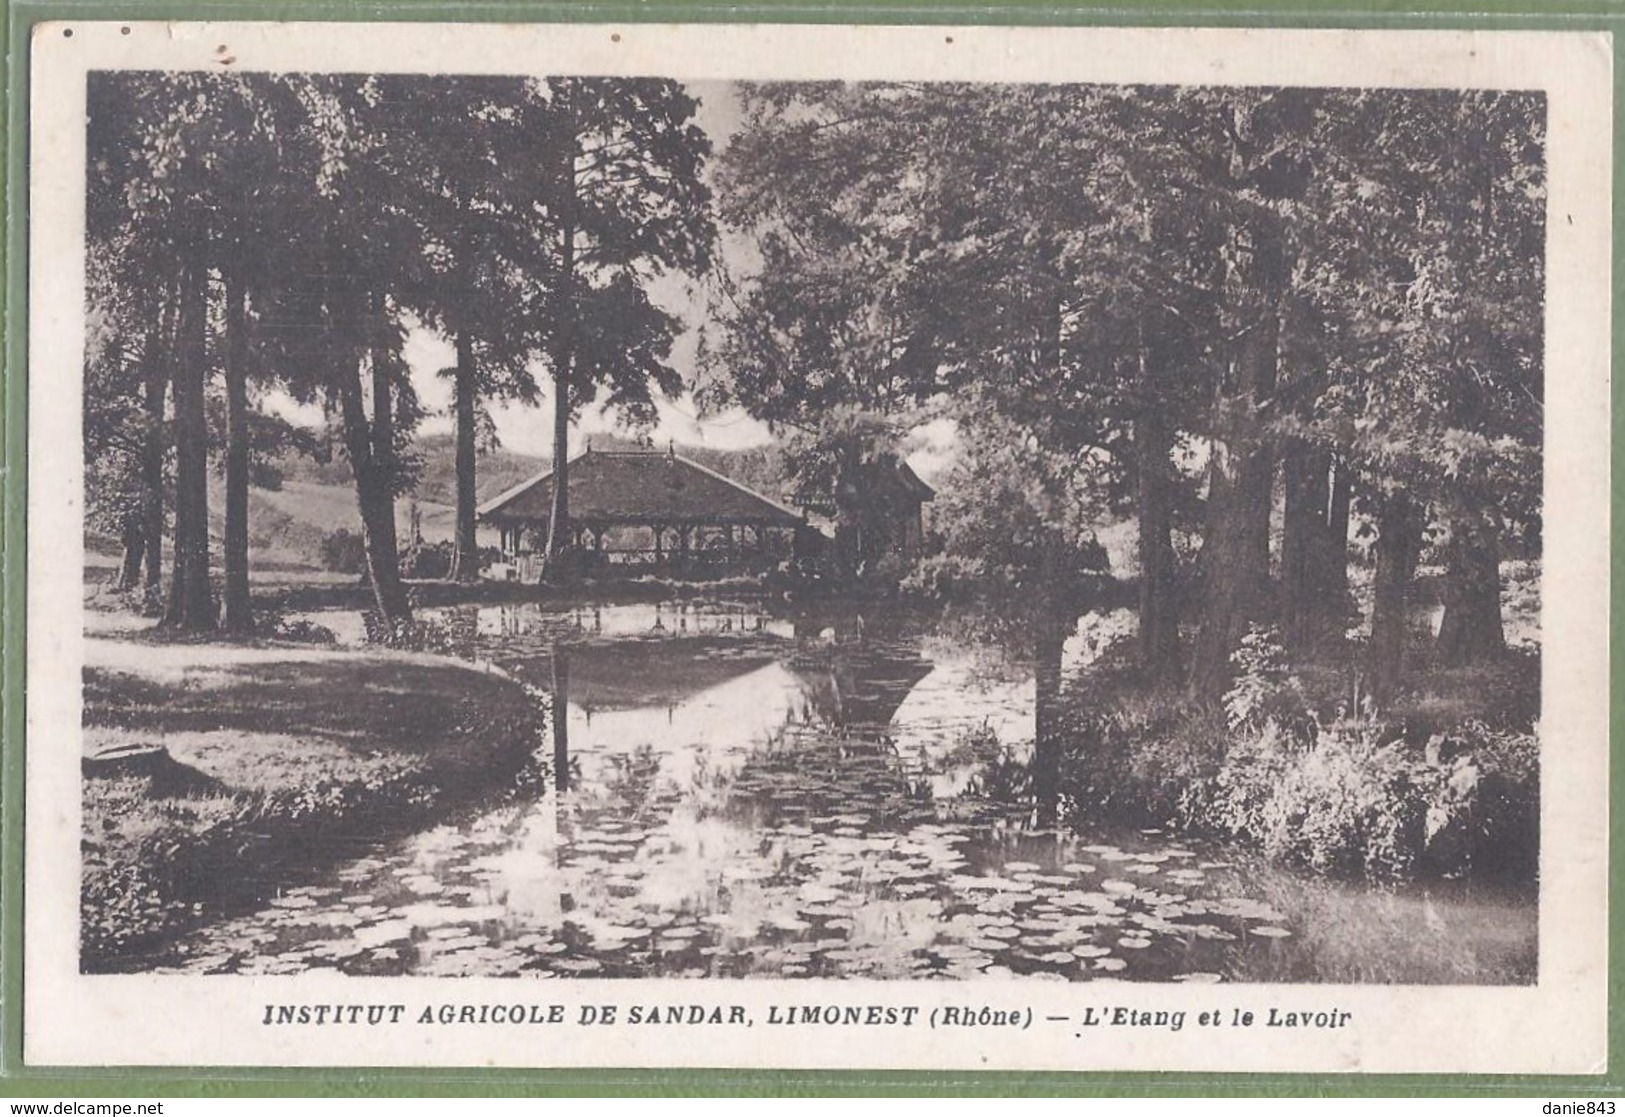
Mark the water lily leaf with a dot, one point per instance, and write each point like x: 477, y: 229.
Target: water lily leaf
x: 578, y: 965
x: 380, y: 934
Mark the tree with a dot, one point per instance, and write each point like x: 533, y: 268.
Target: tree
x: 1336, y: 289
x: 1431, y: 325
x: 475, y: 197
x: 847, y: 326
x: 620, y: 199
x: 178, y: 164
x: 131, y: 297
x: 116, y: 438
x: 1017, y: 525
x: 347, y: 239
x: 151, y: 144
x: 1238, y: 156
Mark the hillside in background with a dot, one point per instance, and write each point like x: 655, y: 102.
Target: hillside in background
x: 287, y: 524
x: 315, y: 499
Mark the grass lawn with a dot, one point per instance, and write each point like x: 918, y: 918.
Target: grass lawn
x: 273, y: 760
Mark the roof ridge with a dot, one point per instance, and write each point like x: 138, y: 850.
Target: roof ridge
x: 523, y: 487
x: 691, y: 463
x: 506, y: 497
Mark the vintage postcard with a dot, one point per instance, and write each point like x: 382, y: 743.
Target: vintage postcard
x: 774, y: 546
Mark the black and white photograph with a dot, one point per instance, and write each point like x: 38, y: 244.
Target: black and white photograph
x: 848, y: 535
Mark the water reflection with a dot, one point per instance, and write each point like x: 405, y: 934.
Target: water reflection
x: 739, y: 794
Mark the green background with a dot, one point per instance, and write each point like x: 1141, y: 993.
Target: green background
x: 19, y: 1080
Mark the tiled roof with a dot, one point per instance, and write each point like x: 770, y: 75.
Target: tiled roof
x: 640, y: 486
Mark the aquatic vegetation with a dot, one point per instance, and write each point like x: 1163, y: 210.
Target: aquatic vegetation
x: 742, y: 829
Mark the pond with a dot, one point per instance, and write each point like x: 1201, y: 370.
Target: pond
x: 734, y: 791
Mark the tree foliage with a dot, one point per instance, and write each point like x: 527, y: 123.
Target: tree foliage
x: 284, y: 232
x: 1176, y: 302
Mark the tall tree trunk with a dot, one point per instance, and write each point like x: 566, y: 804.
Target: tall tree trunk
x: 160, y: 343
x: 1236, y: 543
x: 374, y: 481
x: 1399, y: 540
x: 1314, y: 548
x: 1258, y: 504
x: 465, y: 560
x: 558, y: 521
x: 1471, y: 630
x: 1332, y: 560
x: 132, y: 534
x: 1304, y: 481
x: 191, y: 606
x: 383, y: 558
x: 239, y: 617
x: 1159, y: 613
x: 558, y: 517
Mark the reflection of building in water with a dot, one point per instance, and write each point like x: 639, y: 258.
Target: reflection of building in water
x: 650, y: 675
x: 849, y: 681
x: 855, y: 690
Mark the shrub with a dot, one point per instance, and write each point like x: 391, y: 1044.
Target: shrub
x: 344, y: 552
x: 1262, y: 690
x: 1484, y: 803
x: 429, y: 560
x: 1142, y: 754
x: 271, y: 622
x: 456, y: 633
x: 1345, y: 805
x: 1350, y: 796
x: 433, y: 560
x: 121, y: 905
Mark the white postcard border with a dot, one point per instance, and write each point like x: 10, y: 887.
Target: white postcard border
x: 1557, y: 1025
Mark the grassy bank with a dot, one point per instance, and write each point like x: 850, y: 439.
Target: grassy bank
x: 1444, y: 781
x: 271, y: 760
